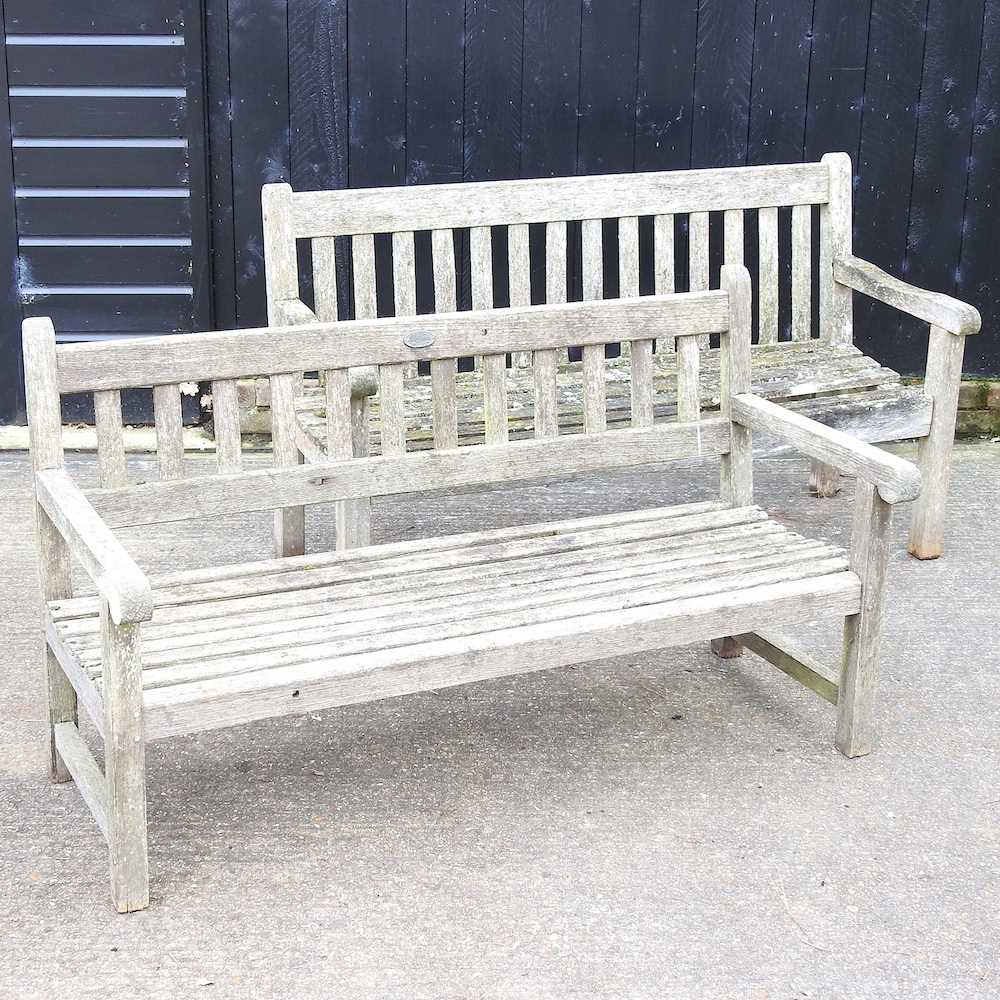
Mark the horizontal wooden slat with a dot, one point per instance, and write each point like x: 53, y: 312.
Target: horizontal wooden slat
x: 101, y: 166
x: 364, y: 677
x: 93, y: 216
x: 105, y: 265
x: 115, y: 313
x: 95, y: 65
x: 85, y: 17
x: 151, y: 503
x: 355, y: 343
x: 439, y: 206
x: 122, y: 117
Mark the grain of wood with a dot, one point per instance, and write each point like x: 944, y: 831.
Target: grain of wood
x: 942, y: 381
x: 641, y: 383
x: 363, y: 269
x: 324, y: 275
x: 698, y: 258
x: 500, y: 203
x: 393, y: 409
x: 555, y: 262
x: 495, y: 398
x: 595, y: 413
x: 736, y: 475
x: 88, y: 776
x: 445, y: 406
x: 664, y: 264
x: 289, y: 520
x: 404, y: 280
x: 801, y: 272
x: 280, y: 264
x: 870, y: 540
x: 733, y: 249
x: 799, y: 665
x: 481, y: 250
x: 767, y: 276
x: 125, y: 765
x: 110, y: 438
x: 169, y: 430
x: 339, y: 426
x: 835, y: 218
x: 443, y: 251
x: 546, y: 410
x: 226, y: 421
x: 519, y: 270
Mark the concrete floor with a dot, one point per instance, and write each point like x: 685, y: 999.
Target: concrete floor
x: 670, y: 825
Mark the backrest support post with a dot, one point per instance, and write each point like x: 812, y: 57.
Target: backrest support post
x: 835, y: 313
x: 737, y: 466
x: 281, y: 275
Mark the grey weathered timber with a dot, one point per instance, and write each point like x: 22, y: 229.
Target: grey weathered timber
x: 221, y: 645
x: 823, y: 189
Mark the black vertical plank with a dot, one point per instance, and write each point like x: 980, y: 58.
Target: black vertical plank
x: 885, y: 167
x: 837, y: 78
x: 978, y: 275
x: 551, y: 88
x: 494, y: 36
x: 197, y: 148
x: 782, y: 49
x: 722, y: 83
x: 11, y: 378
x: 667, y: 40
x: 376, y: 82
x: 609, y: 57
x: 944, y: 136
x: 258, y: 65
x: 220, y: 163
x: 317, y: 105
x: 434, y: 90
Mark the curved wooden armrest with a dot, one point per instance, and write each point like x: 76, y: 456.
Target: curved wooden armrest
x: 117, y: 577
x: 935, y: 308
x: 895, y: 479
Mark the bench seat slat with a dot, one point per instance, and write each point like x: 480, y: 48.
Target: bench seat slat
x: 598, y: 576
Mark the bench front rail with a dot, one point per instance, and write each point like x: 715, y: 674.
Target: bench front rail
x: 196, y: 650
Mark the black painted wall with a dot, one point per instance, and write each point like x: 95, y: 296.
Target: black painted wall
x: 333, y: 93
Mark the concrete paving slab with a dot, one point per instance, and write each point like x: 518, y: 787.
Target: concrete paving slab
x: 671, y: 825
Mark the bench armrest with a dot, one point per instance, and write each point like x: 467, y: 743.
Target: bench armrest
x: 935, y: 308
x: 294, y: 312
x: 894, y: 478
x: 117, y: 577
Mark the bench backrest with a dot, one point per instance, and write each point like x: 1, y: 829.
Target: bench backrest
x: 281, y: 354
x: 609, y: 211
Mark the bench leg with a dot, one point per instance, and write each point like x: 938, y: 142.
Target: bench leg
x: 727, y: 648
x: 56, y: 579
x: 824, y: 480
x: 944, y: 374
x: 862, y: 632
x: 125, y: 764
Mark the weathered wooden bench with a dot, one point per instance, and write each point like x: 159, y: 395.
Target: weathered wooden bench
x: 206, y: 648
x: 818, y: 372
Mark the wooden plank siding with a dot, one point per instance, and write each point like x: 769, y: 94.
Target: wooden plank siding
x: 338, y: 93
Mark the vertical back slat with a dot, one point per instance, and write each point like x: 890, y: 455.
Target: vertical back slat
x: 324, y: 274
x: 110, y: 438
x: 445, y: 404
x: 289, y: 522
x: 481, y: 254
x: 737, y: 466
x: 519, y: 269
x: 688, y: 376
x: 495, y: 397
x: 546, y: 402
x: 363, y: 254
x: 339, y: 429
x: 801, y: 272
x: 555, y: 262
x: 595, y: 407
x: 169, y: 430
x: 393, y: 410
x: 628, y: 257
x: 733, y: 249
x: 767, y: 272
x: 698, y: 259
x: 443, y: 250
x: 226, y: 420
x: 404, y: 281
x: 642, y: 383
x: 592, y: 259
x: 664, y: 258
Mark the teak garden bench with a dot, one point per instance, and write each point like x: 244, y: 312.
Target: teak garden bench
x: 206, y: 648
x: 818, y: 372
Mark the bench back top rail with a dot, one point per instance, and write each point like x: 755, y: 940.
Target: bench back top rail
x: 342, y: 227
x: 388, y: 346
